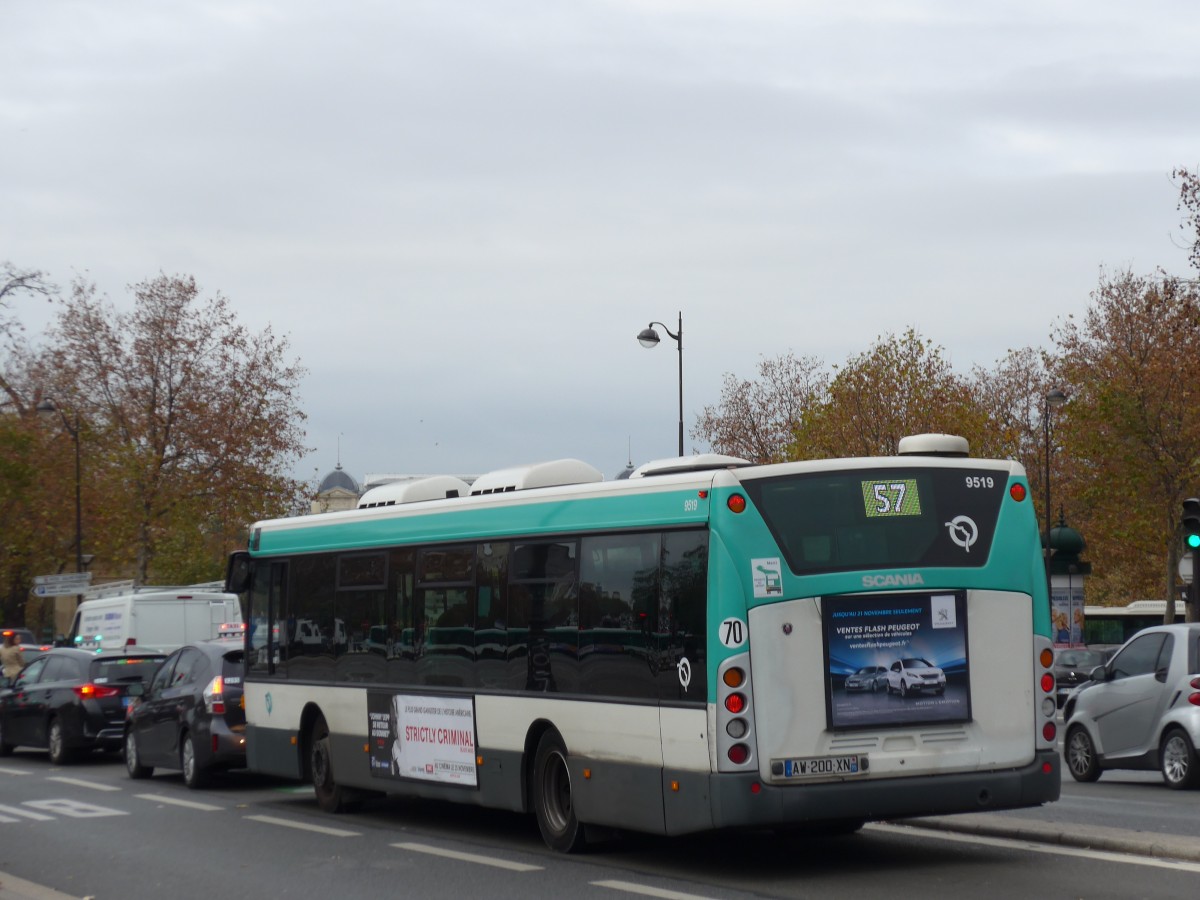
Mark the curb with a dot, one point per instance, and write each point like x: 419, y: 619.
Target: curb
x: 1087, y: 837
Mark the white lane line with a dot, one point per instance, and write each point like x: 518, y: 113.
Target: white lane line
x: 1053, y: 850
x: 5, y: 770
x: 630, y: 888
x: 79, y: 782
x: 16, y: 811
x: 469, y: 857
x: 304, y: 826
x: 188, y: 804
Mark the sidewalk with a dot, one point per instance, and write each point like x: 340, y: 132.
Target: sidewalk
x: 1085, y: 837
x: 13, y: 888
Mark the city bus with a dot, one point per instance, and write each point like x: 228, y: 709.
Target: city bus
x: 1112, y: 626
x: 669, y: 653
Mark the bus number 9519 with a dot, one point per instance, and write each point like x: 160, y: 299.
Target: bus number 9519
x: 980, y: 481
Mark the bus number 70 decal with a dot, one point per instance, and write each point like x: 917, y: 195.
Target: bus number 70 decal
x: 733, y: 632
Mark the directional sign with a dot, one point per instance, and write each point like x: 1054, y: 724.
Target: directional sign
x: 69, y: 578
x: 61, y: 585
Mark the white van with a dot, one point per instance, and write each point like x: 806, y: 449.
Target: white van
x: 155, y: 619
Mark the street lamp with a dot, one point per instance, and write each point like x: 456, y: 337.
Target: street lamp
x: 648, y: 338
x: 1054, y: 400
x: 46, y: 409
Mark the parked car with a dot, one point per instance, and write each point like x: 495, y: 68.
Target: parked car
x: 71, y: 700
x: 1073, y: 667
x: 191, y: 716
x: 915, y: 674
x: 1140, y: 710
x: 868, y: 678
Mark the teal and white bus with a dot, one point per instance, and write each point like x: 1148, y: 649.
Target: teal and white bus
x: 707, y: 644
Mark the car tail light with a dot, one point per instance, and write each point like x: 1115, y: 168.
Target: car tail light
x: 214, y: 700
x: 91, y: 691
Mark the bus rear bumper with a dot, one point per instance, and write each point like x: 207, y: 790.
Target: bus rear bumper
x: 744, y: 800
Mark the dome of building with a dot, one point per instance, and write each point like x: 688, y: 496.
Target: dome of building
x: 338, y: 479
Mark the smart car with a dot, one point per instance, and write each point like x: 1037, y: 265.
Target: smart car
x: 1140, y: 710
x: 868, y: 678
x: 914, y: 674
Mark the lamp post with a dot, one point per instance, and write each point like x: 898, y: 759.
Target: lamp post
x: 1054, y: 399
x: 648, y: 338
x: 47, y: 408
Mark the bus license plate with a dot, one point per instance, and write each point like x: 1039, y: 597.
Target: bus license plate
x: 824, y: 766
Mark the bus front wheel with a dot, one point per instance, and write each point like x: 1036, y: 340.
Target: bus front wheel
x: 331, y: 796
x: 552, y: 804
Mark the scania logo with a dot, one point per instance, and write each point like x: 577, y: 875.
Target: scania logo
x: 881, y: 581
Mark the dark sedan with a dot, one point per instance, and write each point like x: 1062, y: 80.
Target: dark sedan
x: 1073, y: 667
x: 190, y: 717
x: 72, y: 700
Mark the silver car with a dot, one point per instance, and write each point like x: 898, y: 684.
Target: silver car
x: 1140, y: 710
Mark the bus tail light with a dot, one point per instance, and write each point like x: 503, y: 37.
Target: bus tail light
x: 1046, y: 709
x: 1049, y: 731
x: 735, y: 716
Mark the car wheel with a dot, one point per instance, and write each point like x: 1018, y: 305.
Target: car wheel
x: 874, y: 687
x: 331, y: 796
x: 133, y: 762
x: 1081, y: 755
x: 551, y: 782
x: 1177, y: 759
x: 6, y: 748
x: 59, y: 754
x: 194, y: 775
x: 903, y: 688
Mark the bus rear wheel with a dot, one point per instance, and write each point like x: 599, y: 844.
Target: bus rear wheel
x: 551, y: 784
x: 331, y: 796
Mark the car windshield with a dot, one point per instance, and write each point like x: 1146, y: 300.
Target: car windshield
x: 917, y: 663
x: 133, y: 668
x: 866, y: 670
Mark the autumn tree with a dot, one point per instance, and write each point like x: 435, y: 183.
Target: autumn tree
x: 1188, y: 184
x: 191, y: 423
x: 1132, y: 428
x: 755, y: 418
x: 901, y: 385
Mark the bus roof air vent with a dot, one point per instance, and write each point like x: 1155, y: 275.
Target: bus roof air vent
x: 697, y: 463
x: 547, y: 474
x: 934, y: 445
x: 435, y: 487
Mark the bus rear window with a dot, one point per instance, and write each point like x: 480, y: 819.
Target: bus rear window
x: 882, y: 518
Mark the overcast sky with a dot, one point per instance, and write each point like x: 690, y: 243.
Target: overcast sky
x: 462, y: 213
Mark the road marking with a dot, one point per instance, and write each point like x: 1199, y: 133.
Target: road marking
x: 630, y: 888
x: 79, y: 782
x: 5, y: 770
x: 304, y: 826
x: 37, y: 817
x: 470, y: 857
x: 75, y: 809
x: 188, y: 804
x: 1013, y: 844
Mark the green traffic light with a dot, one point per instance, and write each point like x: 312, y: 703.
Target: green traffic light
x: 1193, y: 541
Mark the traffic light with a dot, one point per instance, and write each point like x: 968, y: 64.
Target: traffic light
x: 1191, y: 523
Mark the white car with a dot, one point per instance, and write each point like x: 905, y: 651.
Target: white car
x: 914, y: 674
x: 1140, y: 710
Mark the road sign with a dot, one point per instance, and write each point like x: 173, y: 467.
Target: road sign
x: 1185, y: 567
x: 61, y: 585
x: 69, y: 578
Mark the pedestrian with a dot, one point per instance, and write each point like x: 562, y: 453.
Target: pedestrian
x: 12, y: 658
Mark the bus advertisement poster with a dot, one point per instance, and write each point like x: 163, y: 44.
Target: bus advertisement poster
x: 896, y: 660
x: 427, y: 738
